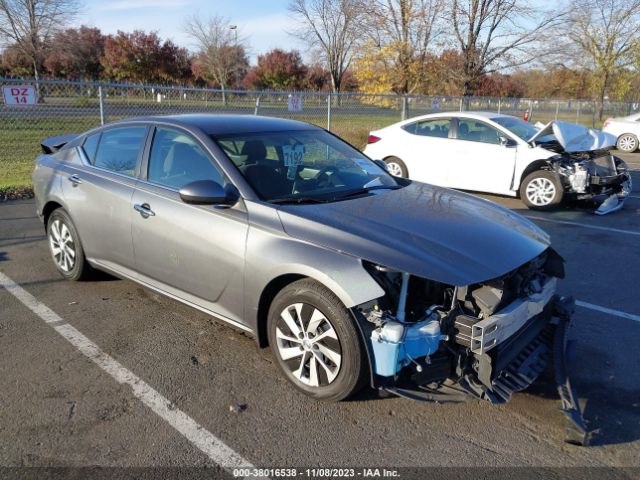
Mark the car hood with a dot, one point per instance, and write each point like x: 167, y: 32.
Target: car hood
x: 575, y: 138
x: 428, y: 231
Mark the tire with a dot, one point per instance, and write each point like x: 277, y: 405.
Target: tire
x: 541, y: 190
x: 301, y: 359
x: 627, y: 142
x: 65, y: 247
x: 396, y: 167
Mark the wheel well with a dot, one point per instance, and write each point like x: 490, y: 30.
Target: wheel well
x: 48, y: 210
x: 532, y: 167
x: 267, y: 296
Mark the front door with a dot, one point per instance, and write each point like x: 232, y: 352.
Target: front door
x: 195, y: 252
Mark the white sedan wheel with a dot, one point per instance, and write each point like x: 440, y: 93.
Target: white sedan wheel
x: 540, y: 191
x: 627, y: 142
x: 394, y: 169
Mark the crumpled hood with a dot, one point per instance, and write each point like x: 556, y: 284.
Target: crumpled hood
x: 428, y: 231
x: 575, y: 138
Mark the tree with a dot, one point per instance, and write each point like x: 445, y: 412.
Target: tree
x: 400, y: 34
x: 14, y: 62
x: 277, y: 70
x: 221, y: 57
x: 498, y: 34
x: 333, y: 27
x: 75, y: 54
x: 132, y: 56
x: 605, y: 34
x: 30, y: 24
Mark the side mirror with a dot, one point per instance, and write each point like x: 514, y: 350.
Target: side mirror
x: 208, y: 192
x: 506, y: 142
x: 381, y: 164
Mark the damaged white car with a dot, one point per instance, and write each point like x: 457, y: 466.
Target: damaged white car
x: 501, y: 154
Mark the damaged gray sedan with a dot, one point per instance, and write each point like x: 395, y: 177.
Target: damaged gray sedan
x: 283, y: 230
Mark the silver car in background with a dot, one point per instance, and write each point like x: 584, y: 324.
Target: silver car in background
x: 283, y: 230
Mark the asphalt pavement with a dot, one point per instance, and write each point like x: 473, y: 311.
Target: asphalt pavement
x: 60, y: 408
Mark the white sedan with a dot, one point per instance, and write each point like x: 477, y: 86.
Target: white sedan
x: 626, y: 130
x: 501, y: 154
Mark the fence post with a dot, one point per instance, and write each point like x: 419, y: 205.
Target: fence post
x: 461, y: 104
x: 101, y: 102
x: 257, y: 109
x: 329, y: 112
x: 403, y: 115
x: 557, y: 108
x: 499, y: 104
x: 578, y: 114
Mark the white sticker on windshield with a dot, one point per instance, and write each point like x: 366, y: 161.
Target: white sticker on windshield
x: 293, y: 155
x: 367, y: 166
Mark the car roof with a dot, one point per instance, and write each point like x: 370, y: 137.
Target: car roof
x: 481, y: 115
x: 224, y: 124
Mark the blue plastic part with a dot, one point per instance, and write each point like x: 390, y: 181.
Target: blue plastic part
x: 395, y: 344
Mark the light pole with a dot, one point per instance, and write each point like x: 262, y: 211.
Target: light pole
x: 235, y: 31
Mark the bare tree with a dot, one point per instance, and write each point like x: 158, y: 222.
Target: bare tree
x: 606, y: 35
x: 221, y: 56
x: 406, y: 28
x: 333, y: 28
x: 498, y: 34
x: 30, y: 24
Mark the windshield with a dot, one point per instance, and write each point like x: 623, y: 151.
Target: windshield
x: 518, y: 127
x: 304, y: 165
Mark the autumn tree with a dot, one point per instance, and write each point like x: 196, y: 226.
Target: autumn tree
x: 14, y: 62
x: 332, y: 28
x: 29, y: 25
x: 605, y: 34
x: 75, y: 54
x: 277, y: 70
x: 221, y: 58
x: 400, y: 34
x: 498, y: 34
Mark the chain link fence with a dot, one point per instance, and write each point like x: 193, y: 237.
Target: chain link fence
x: 60, y: 107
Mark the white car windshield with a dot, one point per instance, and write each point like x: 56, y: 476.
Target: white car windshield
x: 518, y: 127
x: 303, y: 166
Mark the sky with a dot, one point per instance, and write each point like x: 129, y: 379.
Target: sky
x: 263, y: 23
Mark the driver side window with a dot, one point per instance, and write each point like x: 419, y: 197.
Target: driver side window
x: 475, y: 131
x: 176, y: 159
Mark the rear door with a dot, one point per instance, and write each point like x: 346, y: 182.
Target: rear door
x: 98, y: 193
x: 195, y: 252
x: 478, y: 161
x: 425, y: 149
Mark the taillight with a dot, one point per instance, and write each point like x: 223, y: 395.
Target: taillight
x: 373, y: 139
x: 606, y: 122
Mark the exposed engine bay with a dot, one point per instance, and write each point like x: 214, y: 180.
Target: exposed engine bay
x: 436, y: 342
x: 585, y: 164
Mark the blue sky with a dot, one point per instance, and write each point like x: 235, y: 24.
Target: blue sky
x: 262, y: 22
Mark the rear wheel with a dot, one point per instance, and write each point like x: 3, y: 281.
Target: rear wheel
x: 65, y: 247
x: 627, y: 142
x: 396, y: 167
x: 541, y: 190
x: 315, y: 341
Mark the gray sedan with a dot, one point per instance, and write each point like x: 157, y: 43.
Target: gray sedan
x: 281, y: 229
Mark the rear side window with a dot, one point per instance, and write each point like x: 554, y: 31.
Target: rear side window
x: 430, y: 128
x: 119, y: 148
x: 89, y: 146
x: 177, y: 159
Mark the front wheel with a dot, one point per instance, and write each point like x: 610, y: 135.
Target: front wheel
x: 541, y: 190
x: 627, y: 142
x: 315, y: 341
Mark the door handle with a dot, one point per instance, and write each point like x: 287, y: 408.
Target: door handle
x: 75, y: 179
x: 144, y: 209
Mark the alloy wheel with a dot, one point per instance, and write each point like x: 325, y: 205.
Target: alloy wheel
x: 394, y: 169
x: 62, y: 246
x: 308, y: 344
x: 627, y: 143
x: 540, y: 191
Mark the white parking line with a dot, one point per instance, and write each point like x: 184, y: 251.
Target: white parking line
x: 583, y: 225
x: 609, y: 311
x: 204, y: 440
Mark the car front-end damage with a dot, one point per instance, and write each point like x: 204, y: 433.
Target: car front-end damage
x: 585, y: 165
x: 435, y: 342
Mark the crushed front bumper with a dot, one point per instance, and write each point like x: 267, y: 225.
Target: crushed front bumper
x: 512, y: 366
